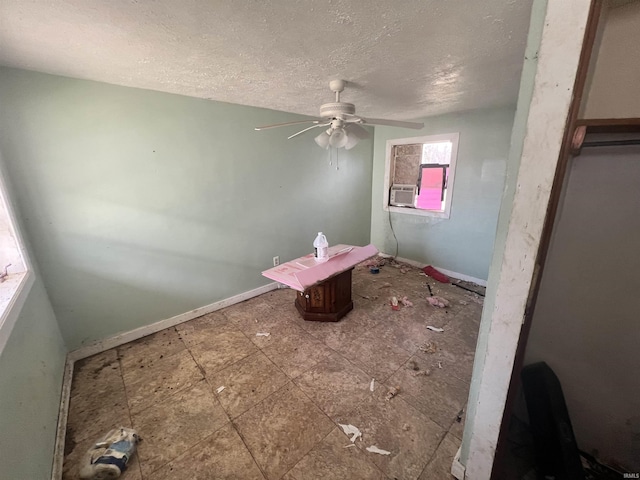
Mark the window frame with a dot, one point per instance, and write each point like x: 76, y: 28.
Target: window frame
x: 15, y: 289
x: 390, y: 168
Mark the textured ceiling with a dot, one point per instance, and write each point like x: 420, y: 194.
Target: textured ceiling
x: 403, y: 59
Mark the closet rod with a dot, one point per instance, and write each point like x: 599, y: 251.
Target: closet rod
x: 611, y: 143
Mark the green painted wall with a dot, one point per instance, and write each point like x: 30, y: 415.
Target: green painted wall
x: 143, y: 205
x: 464, y: 242
x: 31, y: 369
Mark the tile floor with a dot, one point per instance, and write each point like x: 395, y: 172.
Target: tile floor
x: 286, y: 393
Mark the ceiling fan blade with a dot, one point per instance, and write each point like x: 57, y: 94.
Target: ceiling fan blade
x: 390, y: 123
x: 308, y: 128
x: 276, y: 125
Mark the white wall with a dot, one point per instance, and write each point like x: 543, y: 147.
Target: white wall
x: 613, y: 92
x: 586, y: 324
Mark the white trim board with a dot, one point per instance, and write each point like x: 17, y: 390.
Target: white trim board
x: 63, y: 414
x: 126, y: 337
x: 448, y: 273
x: 120, y: 339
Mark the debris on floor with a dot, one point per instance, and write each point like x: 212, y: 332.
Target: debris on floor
x: 374, y: 270
x: 376, y: 262
x: 422, y: 373
x: 372, y: 384
x: 429, y: 347
x: 438, y: 302
x: 262, y: 334
x: 384, y: 285
x: 477, y: 292
x: 463, y: 302
x: 374, y: 449
x: 413, y: 365
x: 350, y: 445
x: 474, y: 297
x: 406, y: 302
x: 108, y: 457
x: 439, y: 364
x: 219, y: 389
x: 351, y: 430
x: 405, y: 427
x: 435, y: 274
x: 435, y: 329
x: 394, y: 303
x: 393, y: 391
x: 460, y: 415
x: 405, y: 270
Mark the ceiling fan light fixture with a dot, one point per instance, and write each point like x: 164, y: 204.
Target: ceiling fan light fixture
x: 338, y: 138
x: 323, y: 139
x: 352, y: 141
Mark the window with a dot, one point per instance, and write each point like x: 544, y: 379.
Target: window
x: 15, y: 285
x: 419, y: 175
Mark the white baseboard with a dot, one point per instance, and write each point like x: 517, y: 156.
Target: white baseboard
x: 63, y: 412
x: 449, y: 273
x: 457, y: 468
x: 126, y: 337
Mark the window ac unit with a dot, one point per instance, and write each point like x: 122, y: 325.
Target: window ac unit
x: 403, y: 195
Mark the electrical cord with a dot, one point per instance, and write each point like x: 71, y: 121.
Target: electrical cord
x: 393, y: 231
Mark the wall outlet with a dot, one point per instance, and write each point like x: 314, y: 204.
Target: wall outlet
x: 276, y: 261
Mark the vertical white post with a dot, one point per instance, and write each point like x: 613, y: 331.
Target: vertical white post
x: 519, y: 232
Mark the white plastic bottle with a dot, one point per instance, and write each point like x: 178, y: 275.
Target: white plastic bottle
x: 321, y: 248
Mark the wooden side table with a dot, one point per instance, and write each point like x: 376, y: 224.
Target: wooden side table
x: 328, y: 301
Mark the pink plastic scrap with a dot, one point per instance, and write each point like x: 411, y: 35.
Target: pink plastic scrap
x: 435, y: 274
x: 438, y: 302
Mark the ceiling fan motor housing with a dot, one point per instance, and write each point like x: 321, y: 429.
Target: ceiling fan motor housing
x: 337, y: 110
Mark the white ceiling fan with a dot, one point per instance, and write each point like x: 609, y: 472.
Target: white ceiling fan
x: 344, y: 125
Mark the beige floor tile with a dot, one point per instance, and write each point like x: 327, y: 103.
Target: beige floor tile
x: 170, y: 428
x: 439, y: 395
x: 330, y: 460
x: 454, y: 356
x: 100, y: 372
x: 92, y: 415
x: 147, y: 350
x: 222, y: 350
x: 204, y: 329
x: 281, y: 296
x: 406, y: 330
x: 376, y: 357
x: 300, y: 358
x: 249, y: 313
x: 220, y: 456
x: 246, y: 383
x: 283, y: 335
x: 399, y: 428
x: 335, y: 385
x: 340, y: 335
x: 166, y: 377
x: 282, y: 429
x: 439, y: 468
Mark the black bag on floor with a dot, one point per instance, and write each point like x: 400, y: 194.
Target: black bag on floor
x: 556, y: 451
